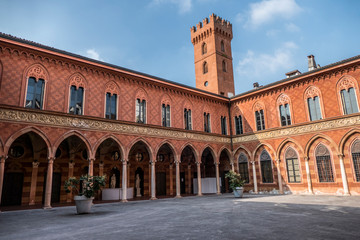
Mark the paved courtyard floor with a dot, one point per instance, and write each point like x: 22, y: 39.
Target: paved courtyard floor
x: 207, y: 217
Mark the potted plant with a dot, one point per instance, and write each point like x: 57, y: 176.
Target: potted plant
x: 90, y: 185
x: 236, y: 183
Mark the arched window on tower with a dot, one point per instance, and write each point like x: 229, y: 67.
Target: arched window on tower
x: 204, y: 48
x: 224, y: 66
x: 355, y: 153
x: 205, y: 67
x: 222, y: 46
x: 323, y: 162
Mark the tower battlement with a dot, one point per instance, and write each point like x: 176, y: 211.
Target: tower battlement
x: 210, y: 25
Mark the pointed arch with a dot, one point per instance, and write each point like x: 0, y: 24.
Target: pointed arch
x: 228, y: 152
x: 77, y: 134
x: 212, y: 151
x: 147, y: 146
x: 272, y: 151
x: 112, y: 87
x: 141, y: 94
x: 284, y: 144
x: 1, y: 147
x: 311, y: 92
x: 77, y: 80
x: 344, y: 140
x: 23, y: 131
x: 172, y: 147
x: 239, y: 149
x: 193, y: 149
x: 108, y: 136
x: 347, y: 91
x: 320, y: 136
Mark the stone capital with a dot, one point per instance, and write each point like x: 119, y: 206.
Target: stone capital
x: 51, y: 160
x: 124, y: 161
x: 91, y: 160
x: 306, y: 159
x: 177, y: 162
x: 198, y: 163
x: 216, y: 164
x: 35, y: 164
x: 71, y: 164
x: 341, y: 155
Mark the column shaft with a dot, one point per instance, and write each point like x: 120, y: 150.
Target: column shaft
x: 343, y: 175
x: 218, y: 192
x: 33, y: 182
x: 189, y: 179
x: 308, y: 176
x: 124, y: 181
x: 153, y: 183
x: 177, y: 165
x: 171, y: 180
x: 254, y: 176
x: 279, y: 176
x: 199, y: 178
x: 49, y: 179
x: 2, y: 168
x: 91, y: 167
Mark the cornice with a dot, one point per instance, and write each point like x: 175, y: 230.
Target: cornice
x: 301, y: 129
x: 92, y: 124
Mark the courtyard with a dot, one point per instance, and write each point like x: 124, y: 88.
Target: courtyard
x: 206, y: 217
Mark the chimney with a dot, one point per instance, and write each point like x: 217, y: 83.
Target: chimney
x: 293, y: 73
x: 256, y: 85
x: 311, y: 62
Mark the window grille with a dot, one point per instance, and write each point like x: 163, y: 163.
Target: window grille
x: 266, y: 168
x: 323, y: 163
x: 243, y: 168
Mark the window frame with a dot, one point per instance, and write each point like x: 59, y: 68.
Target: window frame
x: 261, y: 113
x: 330, y: 164
x: 36, y: 81
x: 207, y: 122
x: 247, y: 178
x: 187, y: 119
x: 205, y: 67
x: 240, y: 124
x: 116, y: 105
x: 287, y: 114
x: 140, y: 107
x: 165, y: 115
x: 343, y: 101
x: 77, y: 88
x: 204, y: 48
x: 223, y: 125
x: 261, y: 168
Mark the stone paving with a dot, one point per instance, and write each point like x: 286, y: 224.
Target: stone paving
x: 207, y: 217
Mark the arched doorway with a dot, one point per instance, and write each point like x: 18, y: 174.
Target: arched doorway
x: 224, y: 168
x: 139, y: 169
x: 165, y: 177
x: 27, y: 159
x: 72, y: 159
x: 208, y: 171
x: 188, y: 163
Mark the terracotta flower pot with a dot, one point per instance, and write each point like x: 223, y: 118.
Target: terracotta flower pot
x: 83, y: 204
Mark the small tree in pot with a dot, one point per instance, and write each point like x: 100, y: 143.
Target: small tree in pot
x: 90, y: 185
x: 236, y: 183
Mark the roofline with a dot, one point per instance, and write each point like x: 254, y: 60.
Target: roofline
x: 294, y: 78
x: 108, y: 65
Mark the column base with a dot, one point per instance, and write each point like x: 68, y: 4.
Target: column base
x: 47, y: 207
x: 218, y: 193
x: 346, y: 194
x: 153, y: 198
x: 31, y: 203
x: 124, y: 200
x: 178, y: 196
x: 199, y: 195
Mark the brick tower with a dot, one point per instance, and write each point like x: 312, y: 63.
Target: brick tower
x: 212, y: 55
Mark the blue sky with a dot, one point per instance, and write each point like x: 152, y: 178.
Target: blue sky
x: 271, y: 37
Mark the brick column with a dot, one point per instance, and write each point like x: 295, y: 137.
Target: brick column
x: 171, y: 180
x: 124, y: 180
x: 199, y: 178
x: 153, y: 182
x: 70, y: 174
x: 2, y: 168
x: 91, y: 166
x: 49, y: 178
x: 177, y: 165
x: 281, y: 190
x: 189, y: 179
x: 254, y: 176
x: 218, y: 192
x: 308, y: 176
x: 33, y: 182
x: 343, y: 175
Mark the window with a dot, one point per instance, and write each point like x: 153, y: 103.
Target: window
x: 187, y: 119
x: 285, y: 114
x: 266, y: 169
x: 222, y: 46
x: 110, y: 112
x: 140, y: 111
x: 166, y: 115
x: 76, y: 100
x: 355, y: 153
x: 292, y: 166
x: 205, y: 67
x: 35, y: 93
x: 348, y: 100
x: 314, y: 108
x: 207, y: 122
x: 260, y: 122
x: 223, y: 125
x: 243, y: 167
x: 238, y: 125
x: 224, y: 66
x: 323, y: 163
x: 204, y: 48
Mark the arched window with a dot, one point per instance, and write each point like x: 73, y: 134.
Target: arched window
x: 187, y: 119
x: 223, y: 125
x: 260, y: 120
x: 76, y: 100
x: 204, y: 48
x: 348, y: 99
x: 292, y: 166
x: 35, y: 93
x: 323, y: 163
x: 238, y: 125
x: 140, y: 111
x: 222, y: 46
x: 207, y: 122
x: 111, y: 103
x: 165, y: 115
x: 355, y: 153
x: 224, y: 66
x: 243, y: 167
x: 266, y: 168
x: 205, y: 67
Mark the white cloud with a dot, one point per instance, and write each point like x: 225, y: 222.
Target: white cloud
x: 267, y: 10
x: 92, y: 53
x: 292, y: 27
x: 183, y: 5
x: 258, y: 65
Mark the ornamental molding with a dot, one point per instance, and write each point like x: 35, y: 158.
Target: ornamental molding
x: 300, y: 130
x: 90, y: 124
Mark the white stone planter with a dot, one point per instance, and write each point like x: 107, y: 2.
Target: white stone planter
x: 83, y: 204
x: 238, y: 192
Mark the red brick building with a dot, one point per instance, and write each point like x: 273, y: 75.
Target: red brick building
x: 66, y: 115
